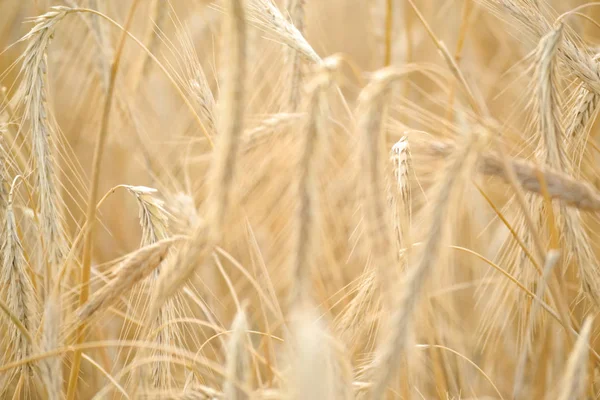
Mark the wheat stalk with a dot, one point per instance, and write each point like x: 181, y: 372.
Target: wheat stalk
x: 51, y: 367
x: 306, y: 218
x: 296, y: 12
x: 237, y: 364
x: 573, y: 382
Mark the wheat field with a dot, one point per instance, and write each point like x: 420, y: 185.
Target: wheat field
x: 299, y: 199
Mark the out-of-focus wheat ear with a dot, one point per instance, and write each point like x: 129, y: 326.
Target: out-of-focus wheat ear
x: 33, y: 92
x: 231, y: 115
x: 296, y: 11
x: 306, y: 216
x: 572, y: 192
x: 452, y: 179
x: 154, y: 218
x: 17, y: 286
x: 51, y: 367
x: 552, y: 258
x: 313, y: 372
x: 573, y: 382
x: 547, y: 99
x: 373, y: 159
x: 137, y: 266
x: 230, y: 129
x: 264, y: 131
x: 265, y: 16
x: 238, y: 363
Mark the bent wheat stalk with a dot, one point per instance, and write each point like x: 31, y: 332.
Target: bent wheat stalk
x: 560, y: 186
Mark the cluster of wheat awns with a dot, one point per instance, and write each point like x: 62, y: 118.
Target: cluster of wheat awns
x: 320, y: 232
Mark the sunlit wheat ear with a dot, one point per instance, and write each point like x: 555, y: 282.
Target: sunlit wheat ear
x: 154, y: 219
x: 552, y: 152
x: 238, y: 363
x: 572, y: 51
x: 17, y: 287
x: 230, y: 128
x: 573, y: 383
x: 137, y: 266
x: 401, y: 162
x: 33, y: 92
x: 452, y: 179
x: 308, y: 232
x: 51, y: 367
x: 547, y: 103
x: 264, y: 15
x: 572, y: 192
x: 296, y: 11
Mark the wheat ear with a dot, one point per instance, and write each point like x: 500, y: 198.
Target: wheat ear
x: 34, y: 89
x: 264, y: 15
x: 17, y: 285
